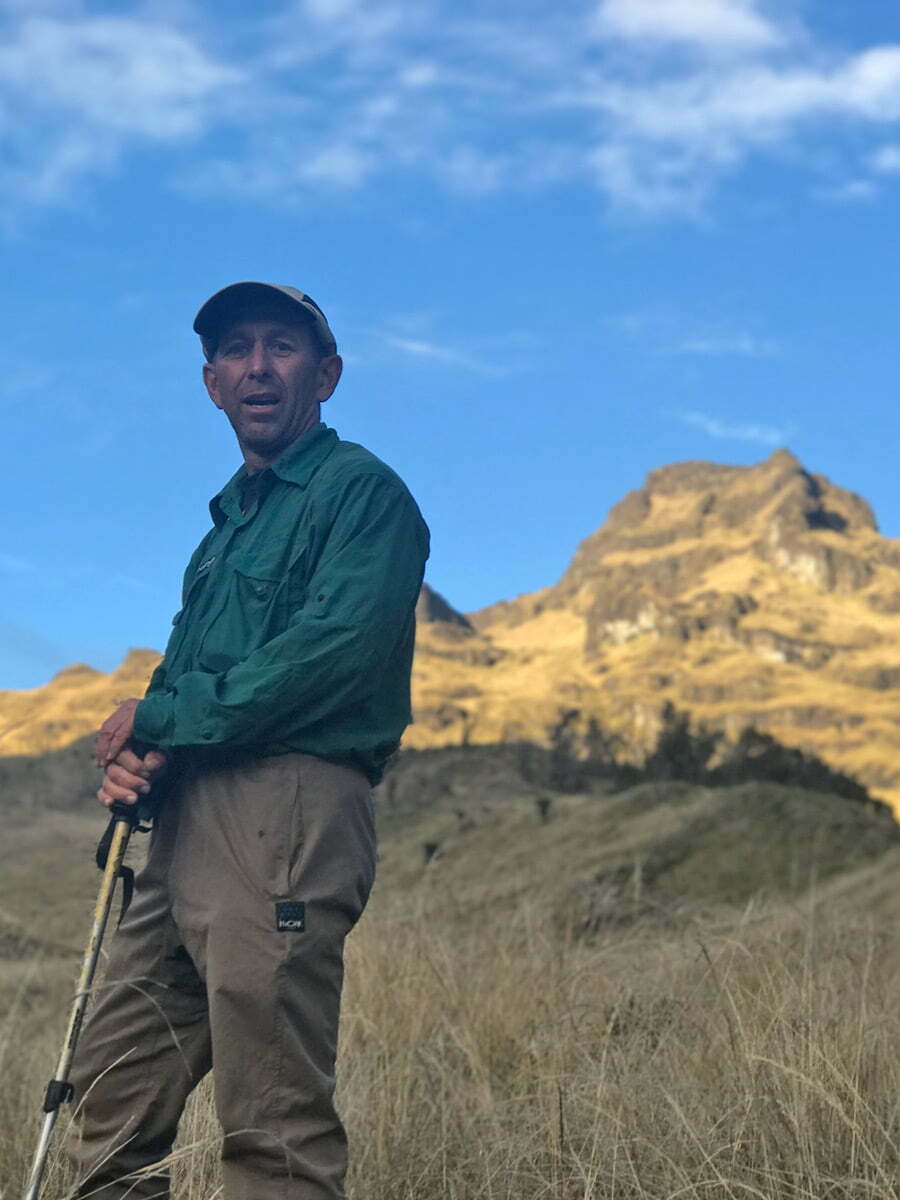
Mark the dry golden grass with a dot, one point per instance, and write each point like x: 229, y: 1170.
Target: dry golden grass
x: 754, y: 1056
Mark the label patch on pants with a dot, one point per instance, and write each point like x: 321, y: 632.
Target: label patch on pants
x: 290, y: 916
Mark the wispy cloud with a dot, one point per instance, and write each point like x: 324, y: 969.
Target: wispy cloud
x: 24, y: 381
x: 671, y: 333
x: 744, y: 345
x: 850, y: 191
x: 12, y: 564
x: 766, y: 435
x: 429, y: 353
x: 651, y: 102
x: 886, y: 160
x: 76, y: 89
x: 732, y: 24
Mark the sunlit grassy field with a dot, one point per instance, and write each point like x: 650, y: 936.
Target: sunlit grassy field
x: 497, y: 1046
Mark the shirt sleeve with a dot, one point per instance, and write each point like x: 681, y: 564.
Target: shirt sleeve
x: 356, y: 613
x: 157, y: 680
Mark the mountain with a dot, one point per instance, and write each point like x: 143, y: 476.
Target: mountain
x: 71, y: 705
x: 759, y: 596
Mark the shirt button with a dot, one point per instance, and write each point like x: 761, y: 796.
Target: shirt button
x: 206, y: 734
x: 260, y: 590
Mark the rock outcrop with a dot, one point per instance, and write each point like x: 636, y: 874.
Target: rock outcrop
x: 756, y: 596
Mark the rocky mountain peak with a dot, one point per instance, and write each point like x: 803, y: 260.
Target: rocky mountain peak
x: 137, y: 663
x: 689, y: 504
x: 75, y: 673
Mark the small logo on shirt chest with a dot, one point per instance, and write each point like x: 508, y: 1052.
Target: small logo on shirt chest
x: 290, y: 916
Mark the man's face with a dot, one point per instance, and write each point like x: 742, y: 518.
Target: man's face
x: 268, y: 378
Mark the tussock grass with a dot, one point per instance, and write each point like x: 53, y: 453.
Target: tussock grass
x: 754, y: 1058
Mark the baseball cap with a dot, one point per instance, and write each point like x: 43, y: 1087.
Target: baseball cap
x: 231, y: 301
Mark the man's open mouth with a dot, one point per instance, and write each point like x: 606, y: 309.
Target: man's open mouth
x: 262, y: 400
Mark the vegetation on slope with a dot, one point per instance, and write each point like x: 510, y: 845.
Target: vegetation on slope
x: 642, y: 993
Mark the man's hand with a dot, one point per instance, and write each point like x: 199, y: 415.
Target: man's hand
x: 128, y: 777
x: 114, y: 733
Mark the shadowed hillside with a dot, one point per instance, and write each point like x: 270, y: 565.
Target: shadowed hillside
x: 573, y: 983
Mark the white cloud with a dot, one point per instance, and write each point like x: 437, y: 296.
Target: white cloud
x: 11, y: 564
x: 886, y: 160
x: 851, y: 191
x: 656, y: 183
x: 76, y: 91
x: 676, y: 333
x: 652, y: 102
x: 667, y: 138
x: 115, y: 73
x: 744, y: 345
x: 766, y: 435
x: 428, y: 352
x: 468, y: 169
x: 721, y: 111
x: 26, y: 381
x: 708, y: 23
x: 343, y: 166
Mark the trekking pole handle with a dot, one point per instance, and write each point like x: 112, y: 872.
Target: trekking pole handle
x: 125, y: 812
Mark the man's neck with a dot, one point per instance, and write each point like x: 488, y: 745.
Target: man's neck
x: 256, y: 462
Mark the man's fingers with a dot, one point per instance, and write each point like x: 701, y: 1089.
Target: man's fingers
x: 118, y: 775
x: 115, y: 732
x: 100, y: 749
x: 114, y: 744
x: 116, y: 737
x: 109, y: 741
x: 155, y: 760
x: 111, y: 792
x: 132, y: 762
x: 118, y: 791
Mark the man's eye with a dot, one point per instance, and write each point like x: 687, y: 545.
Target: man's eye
x: 234, y: 349
x: 283, y: 348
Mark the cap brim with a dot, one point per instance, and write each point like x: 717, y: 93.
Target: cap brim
x: 237, y: 297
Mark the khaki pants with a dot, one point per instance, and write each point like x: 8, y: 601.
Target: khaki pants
x: 201, y: 974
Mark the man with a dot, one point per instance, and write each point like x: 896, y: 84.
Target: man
x: 283, y: 690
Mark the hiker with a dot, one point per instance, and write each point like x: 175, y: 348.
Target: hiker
x: 283, y: 691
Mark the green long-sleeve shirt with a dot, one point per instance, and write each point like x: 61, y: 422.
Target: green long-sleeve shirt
x: 297, y: 622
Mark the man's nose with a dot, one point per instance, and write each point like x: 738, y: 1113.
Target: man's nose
x: 258, y: 361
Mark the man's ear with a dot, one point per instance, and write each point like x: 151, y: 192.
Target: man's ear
x: 330, y: 369
x: 211, y: 383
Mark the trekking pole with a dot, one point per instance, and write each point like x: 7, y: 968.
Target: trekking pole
x: 59, y: 1090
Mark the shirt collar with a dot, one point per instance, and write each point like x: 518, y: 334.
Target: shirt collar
x: 297, y: 465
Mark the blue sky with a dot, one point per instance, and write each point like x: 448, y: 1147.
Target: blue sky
x: 558, y: 249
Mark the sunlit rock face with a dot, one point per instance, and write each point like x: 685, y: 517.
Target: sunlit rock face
x: 758, y: 595
x: 747, y: 596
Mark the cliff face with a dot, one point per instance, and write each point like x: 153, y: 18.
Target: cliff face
x: 759, y: 596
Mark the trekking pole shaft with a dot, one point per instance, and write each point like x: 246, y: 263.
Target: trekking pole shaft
x: 40, y: 1155
x: 59, y: 1089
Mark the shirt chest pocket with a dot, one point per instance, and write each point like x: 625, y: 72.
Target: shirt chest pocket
x: 253, y: 611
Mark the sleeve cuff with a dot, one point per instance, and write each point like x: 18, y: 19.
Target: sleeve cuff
x: 154, y: 719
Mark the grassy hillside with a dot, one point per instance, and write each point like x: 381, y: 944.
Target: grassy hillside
x: 584, y: 992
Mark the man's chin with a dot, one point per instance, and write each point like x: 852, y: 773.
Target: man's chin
x: 266, y: 449
x: 262, y: 438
